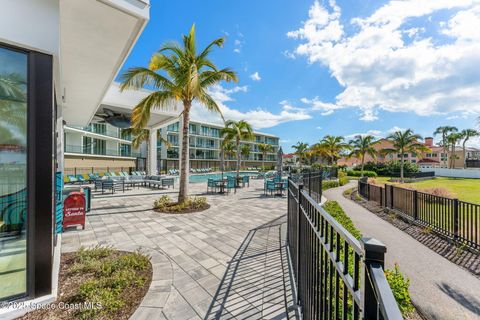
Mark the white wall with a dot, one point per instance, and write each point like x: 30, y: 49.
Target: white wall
x: 454, y: 173
x: 32, y: 24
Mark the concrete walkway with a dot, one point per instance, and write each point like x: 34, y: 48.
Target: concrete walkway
x: 441, y: 289
x: 228, y: 262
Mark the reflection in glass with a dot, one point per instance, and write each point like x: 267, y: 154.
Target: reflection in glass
x: 13, y: 172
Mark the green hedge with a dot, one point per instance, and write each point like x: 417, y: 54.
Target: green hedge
x: 397, y: 281
x: 366, y: 173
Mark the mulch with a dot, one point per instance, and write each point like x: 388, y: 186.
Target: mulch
x: 69, y: 284
x: 463, y: 257
x: 186, y: 210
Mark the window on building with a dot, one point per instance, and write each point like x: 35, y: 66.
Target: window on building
x: 125, y: 150
x: 100, y: 128
x: 173, y: 127
x: 87, y: 145
x: 173, y: 139
x: 99, y: 146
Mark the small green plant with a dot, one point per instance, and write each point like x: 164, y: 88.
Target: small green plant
x: 459, y: 249
x: 166, y: 204
x: 427, y: 229
x: 334, y: 209
x: 356, y: 173
x: 399, y: 285
x: 348, y: 192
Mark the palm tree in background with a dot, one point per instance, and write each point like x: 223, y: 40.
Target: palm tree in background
x: 228, y: 149
x: 466, y: 135
x: 405, y: 141
x: 177, y: 72
x: 13, y: 106
x: 452, y: 140
x: 332, y: 147
x: 237, y: 131
x: 361, y: 146
x: 143, y: 135
x: 264, y: 148
x: 245, y: 152
x: 444, y: 131
x: 301, y: 149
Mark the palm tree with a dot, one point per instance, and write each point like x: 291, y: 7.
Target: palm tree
x: 13, y: 102
x: 264, y: 148
x: 332, y: 146
x: 228, y: 149
x: 143, y: 135
x: 245, y: 152
x: 301, y: 151
x: 361, y: 146
x: 445, y: 131
x: 452, y: 140
x: 466, y: 135
x: 237, y: 131
x: 405, y: 141
x: 177, y: 73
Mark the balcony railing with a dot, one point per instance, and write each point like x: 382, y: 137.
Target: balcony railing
x: 104, y: 152
x: 332, y: 268
x: 109, y: 133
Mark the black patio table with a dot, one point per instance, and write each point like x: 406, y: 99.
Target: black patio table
x: 221, y: 184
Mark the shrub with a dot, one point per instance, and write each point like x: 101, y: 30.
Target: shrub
x: 166, y: 204
x: 400, y: 285
x: 355, y: 173
x: 328, y: 184
x: 439, y: 192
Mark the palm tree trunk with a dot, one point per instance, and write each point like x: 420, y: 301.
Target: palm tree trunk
x: 182, y: 194
x: 464, y: 154
x: 222, y: 161
x: 263, y: 160
x: 363, y: 164
x: 452, y: 157
x: 401, y: 167
x: 239, y: 158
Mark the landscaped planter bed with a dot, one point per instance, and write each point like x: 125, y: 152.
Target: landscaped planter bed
x: 98, y: 283
x: 166, y: 205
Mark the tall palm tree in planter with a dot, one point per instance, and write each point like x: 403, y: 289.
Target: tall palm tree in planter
x: 466, y: 135
x: 245, y: 152
x: 444, y: 131
x: 264, y: 148
x: 177, y: 72
x: 362, y: 146
x: 332, y: 146
x: 237, y: 131
x: 405, y: 141
x: 301, y: 149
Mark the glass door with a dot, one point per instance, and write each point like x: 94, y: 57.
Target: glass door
x: 13, y: 173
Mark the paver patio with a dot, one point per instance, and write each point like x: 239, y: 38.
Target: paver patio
x: 228, y: 262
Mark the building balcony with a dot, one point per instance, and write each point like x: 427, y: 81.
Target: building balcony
x: 105, y: 133
x: 105, y: 152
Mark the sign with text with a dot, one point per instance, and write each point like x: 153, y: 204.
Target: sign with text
x: 74, y: 210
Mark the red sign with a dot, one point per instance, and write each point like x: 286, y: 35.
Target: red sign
x: 74, y: 210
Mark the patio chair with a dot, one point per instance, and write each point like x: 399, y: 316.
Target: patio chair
x: 231, y: 184
x: 66, y: 179
x: 269, y: 186
x: 211, y: 185
x: 246, y: 181
x: 92, y: 177
x: 72, y: 178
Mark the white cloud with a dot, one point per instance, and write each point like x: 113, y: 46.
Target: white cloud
x: 259, y: 118
x: 376, y: 133
x: 395, y: 129
x: 318, y: 105
x: 255, y: 76
x: 236, y: 50
x: 319, y: 128
x: 380, y: 70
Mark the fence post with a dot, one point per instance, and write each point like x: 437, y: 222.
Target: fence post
x: 310, y: 183
x: 391, y: 197
x: 455, y: 218
x: 374, y: 253
x: 75, y: 171
x: 299, y: 212
x: 415, y: 205
x: 320, y: 187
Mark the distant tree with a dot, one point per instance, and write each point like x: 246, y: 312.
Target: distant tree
x: 332, y: 147
x: 466, y: 135
x: 264, y: 148
x: 361, y: 146
x: 405, y: 141
x: 245, y: 152
x: 237, y: 131
x: 301, y: 149
x: 452, y: 140
x: 228, y: 149
x: 143, y: 135
x: 444, y: 131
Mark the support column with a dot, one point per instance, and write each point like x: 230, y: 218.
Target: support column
x: 152, y: 152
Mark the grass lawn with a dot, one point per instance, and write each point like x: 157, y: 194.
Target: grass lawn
x: 464, y: 189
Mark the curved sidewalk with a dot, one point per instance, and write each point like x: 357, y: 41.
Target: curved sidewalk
x: 441, y: 289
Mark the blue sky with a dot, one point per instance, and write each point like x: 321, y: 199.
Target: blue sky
x: 311, y: 68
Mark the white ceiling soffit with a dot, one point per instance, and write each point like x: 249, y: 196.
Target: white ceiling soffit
x: 95, y: 39
x: 127, y: 100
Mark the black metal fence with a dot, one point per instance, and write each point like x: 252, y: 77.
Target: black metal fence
x: 455, y: 219
x: 336, y: 276
x: 312, y: 180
